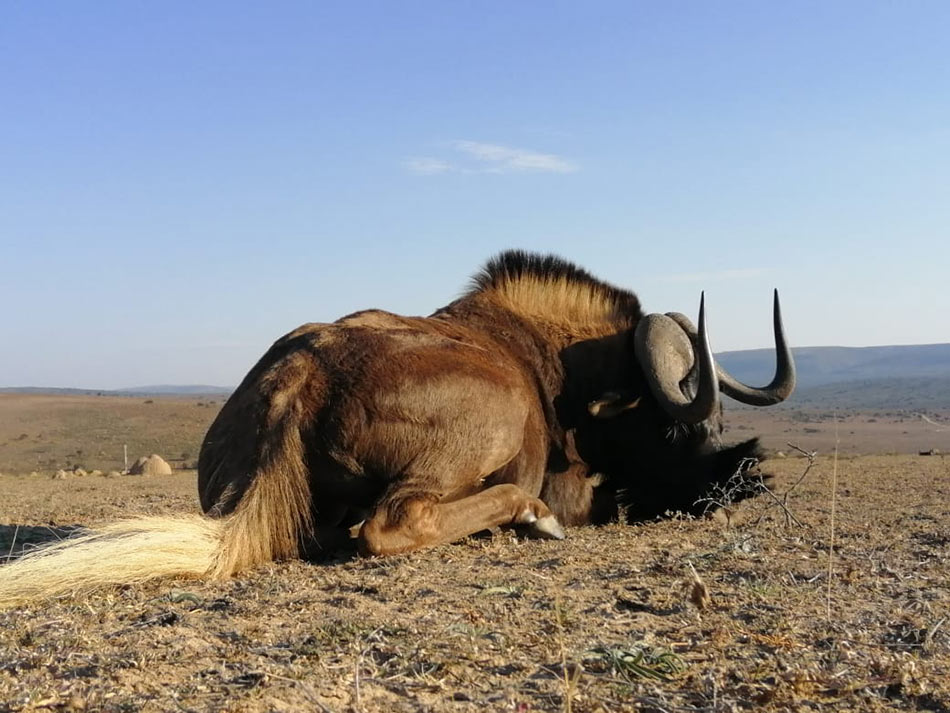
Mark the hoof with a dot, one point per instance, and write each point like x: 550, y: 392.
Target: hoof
x: 526, y: 518
x: 547, y: 527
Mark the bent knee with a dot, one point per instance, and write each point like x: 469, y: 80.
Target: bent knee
x: 389, y: 531
x: 370, y: 543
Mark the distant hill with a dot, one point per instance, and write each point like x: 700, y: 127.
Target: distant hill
x: 894, y: 377
x: 828, y: 365
x: 49, y: 390
x: 173, y: 389
x: 908, y: 394
x: 159, y: 390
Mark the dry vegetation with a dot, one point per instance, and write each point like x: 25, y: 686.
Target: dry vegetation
x: 677, y: 615
x: 44, y: 433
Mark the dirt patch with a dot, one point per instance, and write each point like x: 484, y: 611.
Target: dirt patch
x: 607, y: 620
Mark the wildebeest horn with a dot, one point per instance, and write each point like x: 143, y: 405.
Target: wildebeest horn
x: 782, y: 384
x: 666, y: 355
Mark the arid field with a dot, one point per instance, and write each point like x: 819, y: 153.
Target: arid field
x: 832, y: 593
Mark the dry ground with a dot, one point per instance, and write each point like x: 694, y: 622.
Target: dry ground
x: 608, y: 620
x: 602, y: 621
x: 880, y: 431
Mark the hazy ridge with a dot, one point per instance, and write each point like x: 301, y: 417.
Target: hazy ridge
x: 901, y: 376
x: 827, y: 365
x: 898, y: 377
x: 157, y: 390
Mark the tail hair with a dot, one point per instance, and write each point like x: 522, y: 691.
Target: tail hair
x: 269, y: 523
x: 125, y: 552
x: 274, y: 514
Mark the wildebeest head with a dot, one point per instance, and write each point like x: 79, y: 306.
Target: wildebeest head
x: 658, y: 436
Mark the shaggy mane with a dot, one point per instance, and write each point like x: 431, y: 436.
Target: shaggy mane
x: 551, y: 288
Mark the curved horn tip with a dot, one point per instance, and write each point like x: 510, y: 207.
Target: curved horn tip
x: 782, y: 384
x: 777, y: 314
x: 701, y: 332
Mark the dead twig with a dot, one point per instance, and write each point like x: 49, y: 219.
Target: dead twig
x: 831, y: 542
x: 811, y: 456
x: 801, y: 450
x: 16, y: 531
x: 928, y: 637
x: 567, y: 678
x: 358, y: 703
x: 744, y: 482
x: 789, y: 516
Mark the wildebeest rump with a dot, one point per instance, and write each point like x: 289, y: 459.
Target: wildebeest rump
x: 541, y: 396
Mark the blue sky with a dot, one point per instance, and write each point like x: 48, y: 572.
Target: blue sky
x: 181, y: 183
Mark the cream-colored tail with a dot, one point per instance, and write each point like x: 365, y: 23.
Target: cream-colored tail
x: 269, y: 522
x: 125, y: 552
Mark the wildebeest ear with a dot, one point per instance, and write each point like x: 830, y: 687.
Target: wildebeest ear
x: 611, y: 404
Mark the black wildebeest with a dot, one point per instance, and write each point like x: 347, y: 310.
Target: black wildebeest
x: 509, y: 406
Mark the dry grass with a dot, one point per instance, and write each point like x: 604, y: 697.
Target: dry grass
x: 44, y: 433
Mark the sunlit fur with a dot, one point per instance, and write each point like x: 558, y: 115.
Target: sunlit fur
x: 553, y: 291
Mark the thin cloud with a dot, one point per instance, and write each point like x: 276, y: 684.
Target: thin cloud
x: 425, y: 166
x: 478, y: 157
x: 504, y: 159
x: 716, y: 276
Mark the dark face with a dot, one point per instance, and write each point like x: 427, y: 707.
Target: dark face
x: 647, y: 434
x: 654, y: 464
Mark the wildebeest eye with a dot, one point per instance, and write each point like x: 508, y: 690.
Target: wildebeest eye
x: 611, y: 404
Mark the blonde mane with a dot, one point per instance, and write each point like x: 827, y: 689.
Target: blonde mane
x: 548, y: 289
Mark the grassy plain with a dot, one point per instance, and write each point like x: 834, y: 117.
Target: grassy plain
x: 768, y: 611
x: 44, y: 433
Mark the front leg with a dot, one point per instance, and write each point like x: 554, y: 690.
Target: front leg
x: 575, y: 493
x: 405, y: 524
